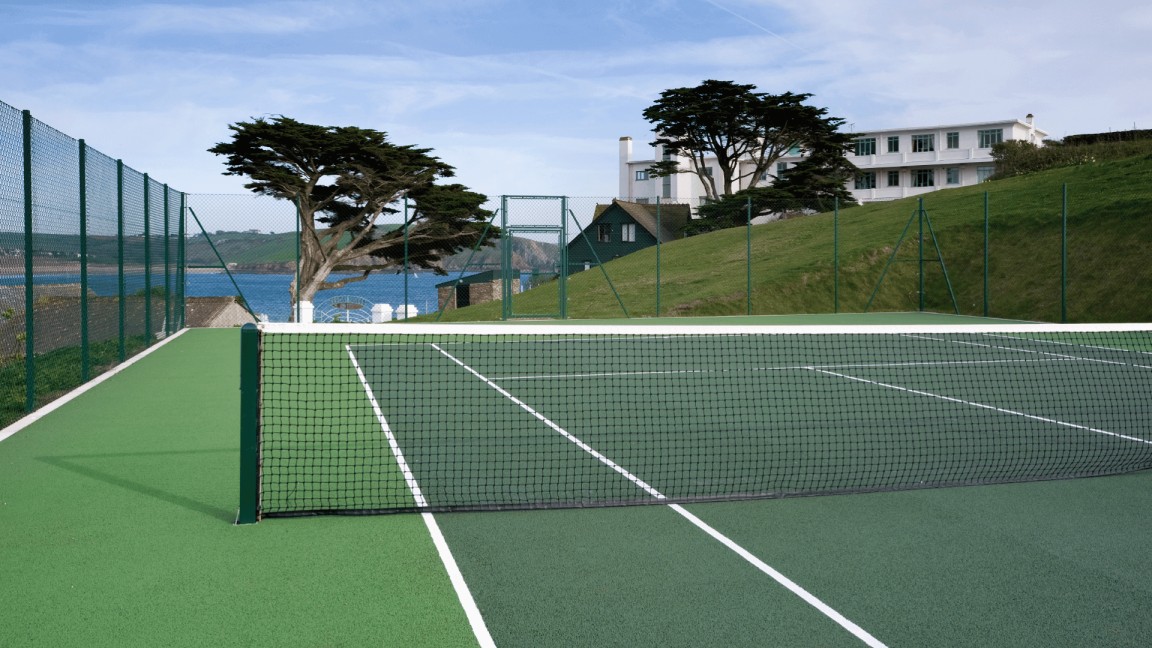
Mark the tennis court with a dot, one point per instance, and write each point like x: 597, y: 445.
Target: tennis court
x: 117, y: 507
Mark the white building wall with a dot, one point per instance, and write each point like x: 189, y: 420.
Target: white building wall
x: 967, y: 158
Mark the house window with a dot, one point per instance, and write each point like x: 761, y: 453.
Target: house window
x: 991, y: 137
x: 923, y: 143
x: 893, y: 143
x: 866, y: 180
x: 604, y: 233
x: 953, y: 140
x: 924, y: 178
x: 984, y: 172
x: 781, y: 167
x: 628, y: 232
x: 642, y: 174
x: 893, y: 178
x: 952, y: 175
x: 866, y: 146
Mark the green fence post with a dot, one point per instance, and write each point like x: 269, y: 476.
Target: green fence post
x: 506, y: 262
x: 985, y: 254
x: 405, y: 304
x: 181, y: 274
x: 147, y: 263
x: 29, y: 273
x: 562, y: 279
x: 748, y: 252
x: 835, y: 254
x: 167, y: 267
x: 121, y: 288
x: 85, y: 360
x: 296, y: 296
x: 249, y: 424
x: 659, y: 230
x: 920, y: 249
x: 1064, y: 254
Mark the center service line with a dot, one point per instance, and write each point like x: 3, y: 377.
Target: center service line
x: 788, y: 583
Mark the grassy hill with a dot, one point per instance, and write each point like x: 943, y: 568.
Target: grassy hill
x: 1109, y: 248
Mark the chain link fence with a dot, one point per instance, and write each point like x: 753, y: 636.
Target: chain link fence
x: 1055, y: 253
x: 91, y: 262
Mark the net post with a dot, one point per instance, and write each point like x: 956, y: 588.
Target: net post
x: 249, y: 425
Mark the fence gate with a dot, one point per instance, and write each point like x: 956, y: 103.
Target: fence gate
x: 534, y: 239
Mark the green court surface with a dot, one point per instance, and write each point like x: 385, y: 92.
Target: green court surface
x: 116, y: 529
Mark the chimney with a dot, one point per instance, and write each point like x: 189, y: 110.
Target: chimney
x: 625, y: 180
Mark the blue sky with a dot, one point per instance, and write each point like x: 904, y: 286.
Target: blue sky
x: 531, y: 97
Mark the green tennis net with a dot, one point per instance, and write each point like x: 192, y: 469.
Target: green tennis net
x: 398, y: 417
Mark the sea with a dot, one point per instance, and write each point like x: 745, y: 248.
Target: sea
x: 268, y: 294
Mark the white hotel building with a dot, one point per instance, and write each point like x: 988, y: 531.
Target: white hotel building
x: 893, y: 163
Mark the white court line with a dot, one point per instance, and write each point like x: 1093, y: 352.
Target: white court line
x: 1018, y: 350
x: 75, y: 393
x: 471, y: 610
x: 1001, y: 410
x: 1073, y: 344
x: 783, y: 580
x: 860, y: 365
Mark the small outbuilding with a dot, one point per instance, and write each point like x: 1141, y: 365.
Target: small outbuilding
x: 474, y: 289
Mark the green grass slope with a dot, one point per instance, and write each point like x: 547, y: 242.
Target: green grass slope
x: 1109, y: 233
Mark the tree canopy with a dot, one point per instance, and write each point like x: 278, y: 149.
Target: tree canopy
x: 744, y: 131
x: 344, y: 179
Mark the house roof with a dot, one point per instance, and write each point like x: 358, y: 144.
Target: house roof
x: 673, y: 217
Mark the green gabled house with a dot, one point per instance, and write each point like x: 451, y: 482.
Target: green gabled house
x: 622, y: 228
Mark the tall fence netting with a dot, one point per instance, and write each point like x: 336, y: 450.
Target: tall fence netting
x: 91, y: 268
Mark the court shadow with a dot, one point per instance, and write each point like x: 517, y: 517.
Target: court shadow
x: 83, y: 465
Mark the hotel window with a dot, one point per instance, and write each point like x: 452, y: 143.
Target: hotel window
x: 628, y: 232
x: 893, y: 143
x: 952, y: 175
x: 866, y: 146
x: 984, y: 172
x: 893, y: 178
x: 604, y: 233
x: 991, y: 137
x: 923, y: 143
x: 866, y: 180
x: 924, y: 178
x: 642, y: 174
x: 953, y: 140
